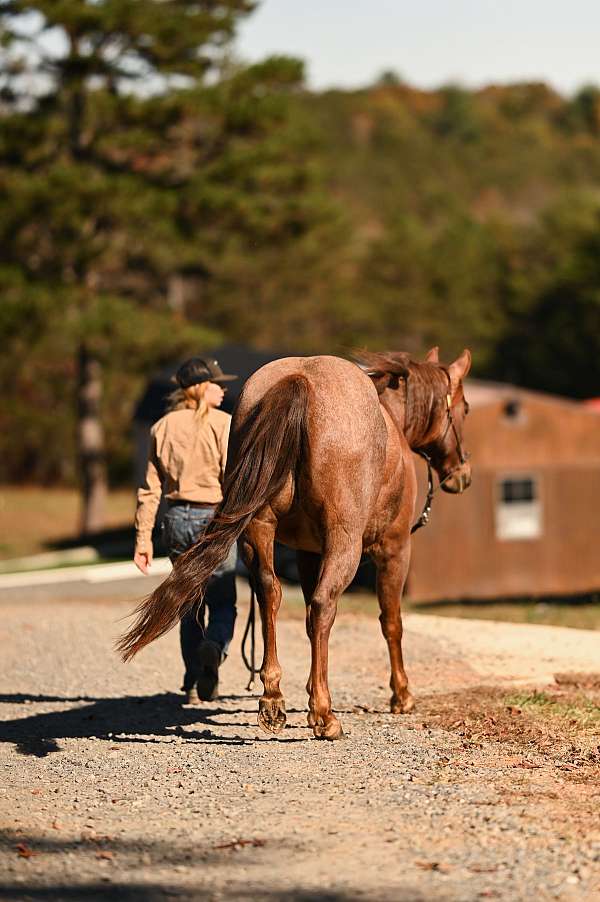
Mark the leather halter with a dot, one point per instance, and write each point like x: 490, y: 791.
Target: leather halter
x: 463, y: 456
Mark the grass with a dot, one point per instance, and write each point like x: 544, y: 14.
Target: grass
x: 574, y: 613
x: 31, y: 518
x: 576, y: 708
x: 559, y: 727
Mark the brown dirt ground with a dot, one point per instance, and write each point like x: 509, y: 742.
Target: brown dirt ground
x: 111, y: 789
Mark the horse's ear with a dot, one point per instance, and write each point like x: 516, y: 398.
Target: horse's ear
x: 381, y: 381
x: 433, y: 355
x: 460, y: 368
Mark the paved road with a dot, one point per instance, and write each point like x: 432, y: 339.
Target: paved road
x: 110, y: 789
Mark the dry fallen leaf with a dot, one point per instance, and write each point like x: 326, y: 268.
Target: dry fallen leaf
x: 240, y: 843
x: 432, y: 865
x: 105, y: 853
x: 24, y: 850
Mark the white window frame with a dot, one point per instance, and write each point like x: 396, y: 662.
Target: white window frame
x: 518, y: 521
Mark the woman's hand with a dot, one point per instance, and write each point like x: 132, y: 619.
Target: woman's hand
x: 143, y: 560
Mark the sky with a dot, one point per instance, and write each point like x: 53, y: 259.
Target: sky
x: 431, y: 42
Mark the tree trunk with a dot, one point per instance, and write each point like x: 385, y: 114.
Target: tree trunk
x: 91, y: 443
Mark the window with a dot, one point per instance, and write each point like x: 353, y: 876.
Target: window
x: 517, y: 490
x: 518, y: 508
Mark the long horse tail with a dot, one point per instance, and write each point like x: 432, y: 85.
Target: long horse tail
x: 268, y: 449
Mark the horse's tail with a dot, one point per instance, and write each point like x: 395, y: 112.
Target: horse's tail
x: 268, y: 448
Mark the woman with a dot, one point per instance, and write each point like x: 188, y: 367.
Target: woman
x: 186, y: 464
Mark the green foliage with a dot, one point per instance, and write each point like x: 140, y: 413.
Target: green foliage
x: 156, y: 196
x: 127, y: 169
x: 456, y: 117
x: 583, y: 113
x: 552, y: 335
x: 473, y: 218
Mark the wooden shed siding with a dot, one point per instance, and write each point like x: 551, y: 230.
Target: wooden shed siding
x: 459, y: 555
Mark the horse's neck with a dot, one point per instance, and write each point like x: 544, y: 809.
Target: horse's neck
x: 411, y: 410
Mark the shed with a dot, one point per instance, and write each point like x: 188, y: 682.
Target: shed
x: 529, y: 525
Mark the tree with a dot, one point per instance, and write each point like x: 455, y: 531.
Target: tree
x: 457, y: 116
x: 126, y: 154
x: 435, y: 285
x: 551, y: 339
x: 583, y: 112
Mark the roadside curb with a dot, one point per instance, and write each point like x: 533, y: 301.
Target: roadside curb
x: 96, y: 573
x: 84, y: 554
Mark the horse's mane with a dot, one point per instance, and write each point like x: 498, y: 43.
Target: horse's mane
x: 425, y: 382
x: 396, y: 363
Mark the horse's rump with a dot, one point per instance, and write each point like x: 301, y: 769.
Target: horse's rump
x: 343, y: 450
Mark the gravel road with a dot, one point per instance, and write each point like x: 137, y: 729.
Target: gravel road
x: 111, y: 789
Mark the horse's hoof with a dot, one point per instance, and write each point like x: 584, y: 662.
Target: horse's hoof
x: 402, y: 705
x: 331, y: 730
x: 271, y: 715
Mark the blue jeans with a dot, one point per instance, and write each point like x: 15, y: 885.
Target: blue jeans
x: 182, y: 525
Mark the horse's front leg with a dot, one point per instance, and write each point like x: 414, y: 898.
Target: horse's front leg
x: 339, y: 566
x: 257, y: 550
x: 392, y: 559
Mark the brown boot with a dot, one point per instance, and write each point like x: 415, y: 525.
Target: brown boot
x: 190, y: 693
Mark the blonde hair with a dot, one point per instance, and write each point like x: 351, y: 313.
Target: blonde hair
x: 190, y: 398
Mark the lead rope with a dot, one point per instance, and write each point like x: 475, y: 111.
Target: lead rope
x: 424, y: 518
x: 250, y: 628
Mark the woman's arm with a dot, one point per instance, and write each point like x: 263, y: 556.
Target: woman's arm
x: 148, y: 500
x: 223, y: 441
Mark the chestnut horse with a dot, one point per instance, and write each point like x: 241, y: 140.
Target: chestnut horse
x: 320, y: 458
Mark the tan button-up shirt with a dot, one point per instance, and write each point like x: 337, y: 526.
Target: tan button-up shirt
x: 186, y: 462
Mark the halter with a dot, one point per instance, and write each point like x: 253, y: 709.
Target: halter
x: 463, y: 456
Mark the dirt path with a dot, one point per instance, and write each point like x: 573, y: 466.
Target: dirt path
x: 110, y: 789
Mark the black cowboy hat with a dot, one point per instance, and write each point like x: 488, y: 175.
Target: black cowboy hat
x: 196, y: 370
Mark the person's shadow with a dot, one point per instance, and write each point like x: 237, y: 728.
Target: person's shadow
x: 143, y: 718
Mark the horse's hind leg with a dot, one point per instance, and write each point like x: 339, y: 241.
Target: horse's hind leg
x: 257, y: 550
x: 340, y: 562
x: 309, y: 567
x: 392, y: 561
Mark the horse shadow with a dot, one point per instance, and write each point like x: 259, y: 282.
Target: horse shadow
x: 133, y: 718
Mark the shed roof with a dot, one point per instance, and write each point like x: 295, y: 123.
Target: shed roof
x: 538, y: 430
x: 481, y: 392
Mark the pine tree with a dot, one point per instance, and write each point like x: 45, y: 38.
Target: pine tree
x: 100, y: 136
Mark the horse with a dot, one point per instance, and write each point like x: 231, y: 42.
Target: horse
x: 320, y: 458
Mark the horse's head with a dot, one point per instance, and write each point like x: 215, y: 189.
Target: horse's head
x: 430, y: 408
x: 444, y: 439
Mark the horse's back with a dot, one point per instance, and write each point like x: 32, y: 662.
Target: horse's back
x: 343, y: 401
x: 345, y: 437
